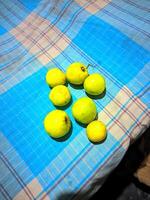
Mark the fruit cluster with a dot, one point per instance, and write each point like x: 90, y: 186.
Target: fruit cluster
x: 57, y: 123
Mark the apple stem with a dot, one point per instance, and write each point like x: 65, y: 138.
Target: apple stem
x: 88, y: 65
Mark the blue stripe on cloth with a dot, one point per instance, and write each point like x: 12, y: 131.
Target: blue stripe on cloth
x: 24, y: 130
x: 140, y: 85
x: 9, y: 14
x: 48, y: 10
x: 31, y: 5
x: 2, y: 30
x: 5, y: 39
x: 129, y: 18
x: 15, y: 50
x: 8, y: 181
x: 75, y: 161
x: 144, y: 5
x: 125, y: 11
x: 75, y: 19
x: 20, y: 65
x: 80, y: 168
x: 54, y: 15
x: 14, y: 173
x: 119, y: 55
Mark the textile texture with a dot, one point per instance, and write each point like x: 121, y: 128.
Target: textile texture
x: 111, y: 35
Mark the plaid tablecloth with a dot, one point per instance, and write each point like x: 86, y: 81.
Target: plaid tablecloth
x: 113, y: 36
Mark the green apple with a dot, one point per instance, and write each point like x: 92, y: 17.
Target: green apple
x: 55, y: 77
x: 60, y: 95
x: 57, y: 123
x: 76, y: 73
x: 95, y: 84
x: 96, y: 131
x: 84, y: 110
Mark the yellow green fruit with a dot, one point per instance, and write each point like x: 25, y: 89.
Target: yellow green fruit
x: 84, y: 110
x: 94, y: 84
x: 55, y: 77
x: 57, y: 123
x: 60, y: 95
x: 76, y: 73
x: 96, y: 131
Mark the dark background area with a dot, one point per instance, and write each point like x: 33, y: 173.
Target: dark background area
x: 121, y: 184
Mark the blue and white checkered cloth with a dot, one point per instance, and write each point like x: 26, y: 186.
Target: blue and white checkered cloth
x: 113, y: 36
